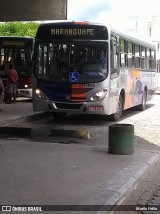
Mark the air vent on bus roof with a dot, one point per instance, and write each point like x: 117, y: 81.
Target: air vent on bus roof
x: 82, y: 23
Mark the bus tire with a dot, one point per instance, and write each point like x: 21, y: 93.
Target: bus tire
x: 116, y: 116
x: 58, y: 115
x: 142, y: 106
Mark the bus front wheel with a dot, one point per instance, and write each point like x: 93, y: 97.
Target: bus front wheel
x: 118, y: 114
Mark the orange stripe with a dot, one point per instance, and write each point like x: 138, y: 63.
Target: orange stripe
x: 82, y: 97
x: 78, y: 95
x: 82, y: 23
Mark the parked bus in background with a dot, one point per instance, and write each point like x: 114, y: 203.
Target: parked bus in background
x: 17, y: 51
x: 68, y: 78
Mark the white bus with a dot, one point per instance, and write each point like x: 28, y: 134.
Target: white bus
x: 68, y: 78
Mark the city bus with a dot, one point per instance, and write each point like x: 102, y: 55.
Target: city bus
x: 67, y: 78
x: 18, y: 51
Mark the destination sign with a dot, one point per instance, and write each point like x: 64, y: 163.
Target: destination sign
x: 12, y: 43
x: 73, y: 32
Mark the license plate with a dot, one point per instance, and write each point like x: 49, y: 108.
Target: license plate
x: 96, y: 108
x: 24, y: 92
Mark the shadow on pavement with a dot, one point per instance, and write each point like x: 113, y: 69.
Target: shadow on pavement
x: 43, y: 135
x: 94, y: 120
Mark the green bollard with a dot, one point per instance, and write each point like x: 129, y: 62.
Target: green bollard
x: 121, y: 139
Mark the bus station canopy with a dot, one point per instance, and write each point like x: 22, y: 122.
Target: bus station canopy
x: 32, y: 10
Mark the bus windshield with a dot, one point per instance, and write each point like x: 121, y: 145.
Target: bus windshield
x: 57, y: 61
x: 20, y: 57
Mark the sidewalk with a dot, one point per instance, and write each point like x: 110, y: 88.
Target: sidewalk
x: 44, y: 173
x: 18, y: 110
x: 14, y: 110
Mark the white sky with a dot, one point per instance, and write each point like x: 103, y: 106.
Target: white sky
x: 123, y: 14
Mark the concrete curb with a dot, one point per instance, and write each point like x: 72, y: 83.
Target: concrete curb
x: 81, y: 133
x: 7, y: 130
x: 128, y: 178
x: 123, y: 183
x: 16, y: 131
x: 22, y: 118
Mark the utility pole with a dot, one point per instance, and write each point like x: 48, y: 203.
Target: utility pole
x: 150, y: 29
x: 136, y: 27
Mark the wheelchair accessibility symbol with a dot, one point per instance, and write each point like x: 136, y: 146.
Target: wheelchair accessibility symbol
x: 73, y: 76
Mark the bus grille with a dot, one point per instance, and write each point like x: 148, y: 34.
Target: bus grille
x: 68, y: 106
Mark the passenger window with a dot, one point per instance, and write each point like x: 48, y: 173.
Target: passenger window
x: 123, y: 60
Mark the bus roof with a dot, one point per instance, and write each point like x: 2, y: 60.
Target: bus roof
x: 126, y: 35
x: 133, y: 37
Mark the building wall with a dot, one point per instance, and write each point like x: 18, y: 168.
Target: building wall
x: 32, y: 10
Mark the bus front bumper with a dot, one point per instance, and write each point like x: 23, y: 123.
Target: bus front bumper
x: 100, y: 107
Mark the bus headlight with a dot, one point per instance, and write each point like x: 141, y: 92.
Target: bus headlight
x: 40, y: 94
x: 98, y: 95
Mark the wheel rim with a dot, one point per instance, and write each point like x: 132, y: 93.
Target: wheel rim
x: 119, y: 107
x: 144, y: 99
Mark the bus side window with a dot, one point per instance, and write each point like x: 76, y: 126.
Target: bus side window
x: 114, y: 53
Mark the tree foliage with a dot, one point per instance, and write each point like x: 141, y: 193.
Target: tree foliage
x: 18, y: 29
